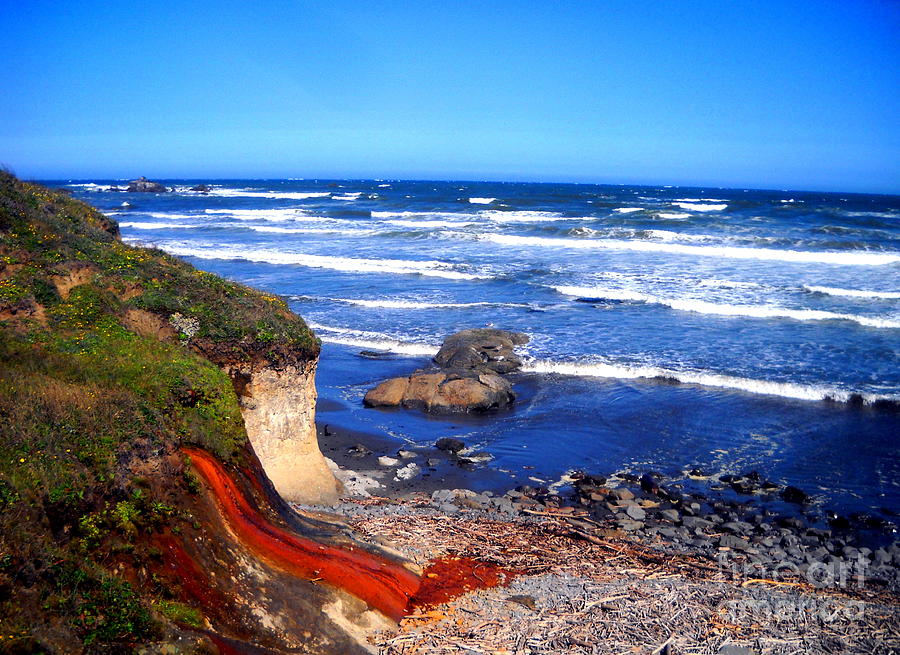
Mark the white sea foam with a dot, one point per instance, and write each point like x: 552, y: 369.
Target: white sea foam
x: 90, y: 185
x: 414, y: 304
x: 349, y: 264
x: 700, y: 200
x: 628, y: 210
x: 853, y: 293
x: 347, y: 196
x: 383, y: 186
x: 283, y: 195
x: 424, y: 223
x: 853, y: 258
x: 372, y: 341
x: 699, y: 207
x: 307, y: 230
x: 482, y: 201
x: 522, y: 216
x: 277, y: 215
x: 157, y: 226
x: 721, y: 309
x: 667, y: 235
x: 704, y: 378
x: 728, y: 284
x: 673, y: 215
x: 170, y: 216
x: 451, y: 216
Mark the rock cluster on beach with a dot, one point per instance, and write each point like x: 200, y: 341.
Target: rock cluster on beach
x: 469, y: 378
x: 764, y: 528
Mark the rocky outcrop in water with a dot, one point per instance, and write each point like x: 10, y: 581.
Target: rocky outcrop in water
x: 470, y: 378
x: 143, y: 185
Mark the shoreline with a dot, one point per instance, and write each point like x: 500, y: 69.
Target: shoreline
x: 777, y: 527
x: 581, y: 583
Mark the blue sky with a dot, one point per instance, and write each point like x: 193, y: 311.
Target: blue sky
x: 794, y: 94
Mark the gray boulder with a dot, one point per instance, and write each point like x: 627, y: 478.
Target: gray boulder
x: 481, y: 348
x: 471, y: 363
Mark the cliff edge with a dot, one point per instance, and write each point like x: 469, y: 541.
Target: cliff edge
x: 150, y: 411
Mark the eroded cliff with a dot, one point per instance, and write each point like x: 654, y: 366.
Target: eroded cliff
x: 135, y: 395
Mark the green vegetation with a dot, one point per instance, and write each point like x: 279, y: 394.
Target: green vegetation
x: 105, y: 364
x: 44, y: 231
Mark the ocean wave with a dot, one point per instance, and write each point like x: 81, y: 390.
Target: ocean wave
x: 728, y: 284
x: 522, y: 216
x: 667, y: 235
x: 703, y: 378
x: 865, y: 258
x: 90, y: 185
x: 348, y: 264
x: 700, y: 200
x: 277, y: 215
x: 699, y: 207
x: 347, y: 196
x: 414, y: 304
x: 170, y: 216
x: 673, y: 215
x: 307, y: 230
x: 424, y: 223
x: 853, y: 293
x: 719, y: 309
x: 285, y: 195
x: 157, y: 226
x: 372, y: 340
x: 628, y: 210
x: 450, y: 216
x: 482, y: 201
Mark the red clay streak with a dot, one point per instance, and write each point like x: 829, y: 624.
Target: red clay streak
x: 383, y: 584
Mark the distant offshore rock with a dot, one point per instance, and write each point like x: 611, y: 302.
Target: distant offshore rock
x: 143, y: 185
x: 201, y: 188
x: 472, y: 363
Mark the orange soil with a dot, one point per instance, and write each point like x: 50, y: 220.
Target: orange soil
x: 380, y: 582
x: 448, y: 577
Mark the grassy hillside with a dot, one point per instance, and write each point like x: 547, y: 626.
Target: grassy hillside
x: 105, y: 368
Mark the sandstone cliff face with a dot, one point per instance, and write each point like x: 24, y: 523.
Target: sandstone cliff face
x: 278, y: 406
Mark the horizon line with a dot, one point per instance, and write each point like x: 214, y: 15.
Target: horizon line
x: 465, y: 181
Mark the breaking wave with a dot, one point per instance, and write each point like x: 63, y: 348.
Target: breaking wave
x: 858, y: 258
x: 701, y: 207
x: 703, y: 378
x: 372, y: 341
x: 348, y: 264
x: 720, y: 309
x: 277, y: 215
x: 414, y: 304
x: 853, y: 293
x: 249, y: 193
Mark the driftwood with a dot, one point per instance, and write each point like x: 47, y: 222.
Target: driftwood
x: 587, y: 589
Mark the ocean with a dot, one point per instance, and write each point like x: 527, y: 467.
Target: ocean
x: 671, y: 327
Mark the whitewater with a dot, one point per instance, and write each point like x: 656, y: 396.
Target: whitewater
x: 666, y: 324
